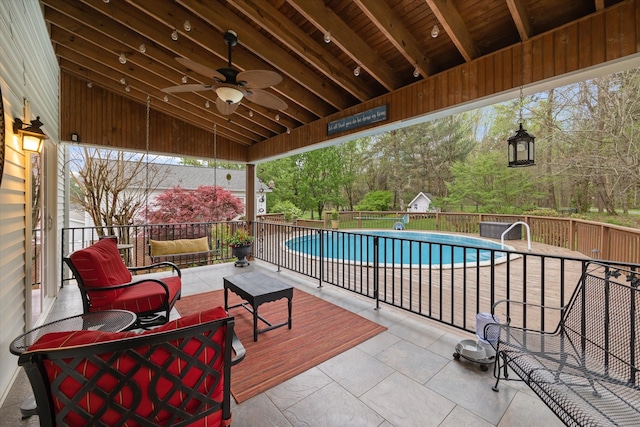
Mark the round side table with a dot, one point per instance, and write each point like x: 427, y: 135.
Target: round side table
x: 108, y: 320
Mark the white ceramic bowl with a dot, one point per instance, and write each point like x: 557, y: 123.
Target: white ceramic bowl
x: 472, y: 349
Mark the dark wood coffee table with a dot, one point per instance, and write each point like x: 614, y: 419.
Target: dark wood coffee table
x: 256, y: 289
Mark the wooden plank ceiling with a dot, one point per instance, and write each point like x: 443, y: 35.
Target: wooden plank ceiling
x: 314, y: 45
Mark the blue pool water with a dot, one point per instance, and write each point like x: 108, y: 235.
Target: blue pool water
x: 401, y: 247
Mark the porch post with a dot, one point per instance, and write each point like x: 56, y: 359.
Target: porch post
x: 250, y: 198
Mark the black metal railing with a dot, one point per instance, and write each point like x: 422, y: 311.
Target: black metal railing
x: 452, y: 296
x: 134, y: 242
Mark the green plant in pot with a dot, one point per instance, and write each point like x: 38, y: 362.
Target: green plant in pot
x: 240, y: 243
x: 334, y: 219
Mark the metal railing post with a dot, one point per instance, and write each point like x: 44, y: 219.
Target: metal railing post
x: 376, y: 273
x: 321, y: 258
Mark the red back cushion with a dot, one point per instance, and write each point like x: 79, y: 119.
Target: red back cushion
x: 175, y: 367
x: 101, y: 265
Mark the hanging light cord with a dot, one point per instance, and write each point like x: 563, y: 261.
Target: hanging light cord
x: 521, y: 78
x: 215, y: 156
x: 146, y: 191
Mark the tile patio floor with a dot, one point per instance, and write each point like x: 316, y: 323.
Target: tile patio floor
x: 405, y: 376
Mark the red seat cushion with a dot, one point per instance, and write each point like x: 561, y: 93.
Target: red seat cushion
x: 101, y: 265
x: 144, y: 296
x: 175, y: 368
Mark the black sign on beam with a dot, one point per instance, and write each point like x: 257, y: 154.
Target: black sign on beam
x: 374, y: 115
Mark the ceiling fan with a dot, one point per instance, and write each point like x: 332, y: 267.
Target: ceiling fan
x: 231, y: 85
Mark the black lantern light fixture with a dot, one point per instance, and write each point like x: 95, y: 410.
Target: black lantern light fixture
x: 521, y: 151
x: 32, y: 136
x: 521, y: 145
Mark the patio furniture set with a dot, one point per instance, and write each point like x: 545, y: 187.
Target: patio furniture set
x: 122, y: 360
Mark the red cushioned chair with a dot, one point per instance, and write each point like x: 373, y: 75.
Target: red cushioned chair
x: 106, y: 283
x: 177, y: 374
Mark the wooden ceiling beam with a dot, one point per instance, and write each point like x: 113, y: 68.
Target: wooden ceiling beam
x: 391, y: 26
x: 74, y: 15
x: 520, y: 18
x: 346, y: 39
x: 155, y: 66
x: 272, y: 56
x: 79, y: 50
x: 132, y: 18
x: 179, y: 109
x: 452, y: 23
x: 271, y: 20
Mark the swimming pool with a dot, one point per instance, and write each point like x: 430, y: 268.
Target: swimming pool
x: 401, y: 248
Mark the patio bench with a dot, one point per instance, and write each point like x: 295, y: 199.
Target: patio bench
x: 181, y: 251
x: 587, y: 370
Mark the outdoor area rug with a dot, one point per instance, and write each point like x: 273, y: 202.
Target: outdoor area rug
x: 320, y: 330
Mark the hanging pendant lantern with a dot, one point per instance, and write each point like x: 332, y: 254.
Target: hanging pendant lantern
x: 521, y: 149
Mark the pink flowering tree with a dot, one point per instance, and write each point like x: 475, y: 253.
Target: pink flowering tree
x: 204, y: 204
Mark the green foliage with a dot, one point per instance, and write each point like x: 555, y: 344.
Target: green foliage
x: 241, y: 237
x: 310, y: 180
x: 334, y: 215
x: 376, y: 201
x: 487, y: 183
x: 290, y: 211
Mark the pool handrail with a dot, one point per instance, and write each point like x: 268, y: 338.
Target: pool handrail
x: 513, y: 225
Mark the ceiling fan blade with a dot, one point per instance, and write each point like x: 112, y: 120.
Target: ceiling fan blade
x: 259, y: 79
x: 186, y: 88
x: 266, y: 99
x: 226, y: 108
x: 201, y: 69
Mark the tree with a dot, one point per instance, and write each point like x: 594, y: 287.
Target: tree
x: 310, y: 180
x: 113, y: 186
x: 204, y: 204
x: 376, y: 201
x: 485, y: 182
x: 353, y: 162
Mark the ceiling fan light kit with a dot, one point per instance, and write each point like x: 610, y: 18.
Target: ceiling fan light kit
x: 231, y: 85
x: 229, y: 95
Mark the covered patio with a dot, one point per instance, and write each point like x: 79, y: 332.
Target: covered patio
x: 95, y: 72
x: 405, y: 376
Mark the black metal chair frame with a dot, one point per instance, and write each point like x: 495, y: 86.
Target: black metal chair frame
x: 145, y: 319
x: 588, y: 369
x: 106, y: 355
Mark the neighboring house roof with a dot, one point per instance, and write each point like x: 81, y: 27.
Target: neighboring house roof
x: 191, y: 177
x: 420, y: 194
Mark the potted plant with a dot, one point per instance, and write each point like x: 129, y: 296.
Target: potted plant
x: 240, y: 243
x: 334, y: 219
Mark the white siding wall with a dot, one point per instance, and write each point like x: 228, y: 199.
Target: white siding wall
x: 28, y: 71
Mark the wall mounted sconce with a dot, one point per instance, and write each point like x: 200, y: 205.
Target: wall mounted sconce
x: 75, y: 137
x: 32, y: 136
